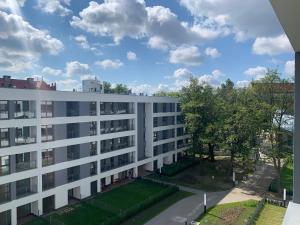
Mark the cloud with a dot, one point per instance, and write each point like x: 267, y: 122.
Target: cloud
x: 59, y: 7
x: 75, y: 68
x: 109, y: 64
x: 131, y: 18
x: 243, y: 83
x: 21, y: 44
x: 272, y: 45
x: 212, y: 52
x: 82, y: 41
x: 88, y: 77
x: 187, y: 55
x: 131, y: 56
x: 113, y: 18
x: 182, y: 73
x: 68, y: 85
x: 216, y: 78
x: 11, y: 4
x: 289, y: 68
x: 244, y: 18
x: 51, y: 72
x: 256, y: 72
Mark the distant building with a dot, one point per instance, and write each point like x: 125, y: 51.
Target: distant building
x: 92, y: 85
x: 29, y: 83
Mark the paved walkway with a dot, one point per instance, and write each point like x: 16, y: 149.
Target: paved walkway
x: 190, y: 208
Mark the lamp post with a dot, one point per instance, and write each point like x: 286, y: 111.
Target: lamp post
x: 284, y: 197
x: 204, y: 202
x: 233, y: 178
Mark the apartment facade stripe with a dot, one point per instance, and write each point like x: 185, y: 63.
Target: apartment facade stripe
x: 56, y: 146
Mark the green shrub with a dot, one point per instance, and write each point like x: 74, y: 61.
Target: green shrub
x: 174, y: 168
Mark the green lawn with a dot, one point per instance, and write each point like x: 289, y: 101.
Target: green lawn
x: 232, y: 213
x: 200, y: 176
x: 144, y: 216
x: 287, y: 176
x: 108, y: 205
x: 271, y: 215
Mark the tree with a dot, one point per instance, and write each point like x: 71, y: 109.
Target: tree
x: 277, y: 101
x: 118, y: 89
x: 202, y: 115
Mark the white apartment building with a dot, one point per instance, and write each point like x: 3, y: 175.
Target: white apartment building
x: 56, y: 146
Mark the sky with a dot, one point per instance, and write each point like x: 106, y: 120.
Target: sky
x: 149, y: 45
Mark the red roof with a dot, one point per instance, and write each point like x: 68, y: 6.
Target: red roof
x: 26, y: 84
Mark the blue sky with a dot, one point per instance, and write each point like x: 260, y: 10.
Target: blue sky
x: 148, y: 45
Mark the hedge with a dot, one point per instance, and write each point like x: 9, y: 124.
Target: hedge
x: 124, y: 215
x: 173, y: 169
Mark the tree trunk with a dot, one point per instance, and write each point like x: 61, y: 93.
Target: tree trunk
x: 211, y: 152
x: 232, y: 160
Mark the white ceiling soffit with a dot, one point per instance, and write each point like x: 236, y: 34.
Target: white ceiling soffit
x: 288, y: 13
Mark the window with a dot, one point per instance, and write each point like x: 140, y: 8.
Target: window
x: 23, y: 135
x: 73, y: 173
x: 48, y: 181
x: 24, y: 109
x: 23, y: 161
x: 46, y: 109
x: 3, y: 110
x: 93, y: 148
x: 48, y: 157
x: 93, y: 168
x: 4, y: 193
x: 4, y: 137
x: 73, y: 152
x: 47, y: 133
x: 93, y: 128
x: 5, y: 217
x: 93, y: 109
x: 4, y: 165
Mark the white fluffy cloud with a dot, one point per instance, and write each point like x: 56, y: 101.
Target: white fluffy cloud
x: 212, y: 52
x: 246, y: 19
x: 113, y: 18
x: 68, y: 85
x: 82, y: 41
x: 256, y: 72
x: 59, y: 7
x: 109, y: 64
x: 11, y: 4
x: 48, y: 71
x: 182, y: 73
x: 131, y: 56
x: 131, y: 18
x: 243, y: 83
x: 289, y: 68
x: 272, y: 45
x: 187, y: 55
x: 21, y: 44
x: 213, y: 79
x: 75, y: 68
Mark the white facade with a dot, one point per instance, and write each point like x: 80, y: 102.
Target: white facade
x: 141, y: 133
x: 92, y: 86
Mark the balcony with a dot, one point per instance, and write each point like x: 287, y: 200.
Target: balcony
x: 24, y: 115
x: 4, y: 196
x: 4, y: 170
x: 24, y: 191
x: 116, y: 144
x: 25, y: 140
x: 25, y: 166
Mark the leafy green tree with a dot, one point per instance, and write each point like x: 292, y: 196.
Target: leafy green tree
x: 277, y: 101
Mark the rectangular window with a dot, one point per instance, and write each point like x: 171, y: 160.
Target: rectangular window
x: 48, y: 181
x: 5, y: 193
x: 48, y: 157
x: 93, y: 148
x: 93, y: 109
x: 47, y: 109
x: 47, y: 133
x: 3, y: 110
x: 24, y: 109
x: 4, y: 165
x: 24, y: 135
x: 4, y: 137
x: 93, y: 128
x: 93, y: 168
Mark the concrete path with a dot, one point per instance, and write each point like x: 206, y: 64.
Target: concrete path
x: 190, y: 208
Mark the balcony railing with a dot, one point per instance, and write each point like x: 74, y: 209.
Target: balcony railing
x: 116, y: 147
x: 47, y: 138
x: 5, y: 197
x: 24, y: 115
x: 26, y: 166
x: 24, y: 140
x: 4, y: 115
x: 26, y: 190
x: 4, y: 170
x: 47, y: 162
x: 73, y: 177
x: 105, y: 168
x: 4, y: 143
